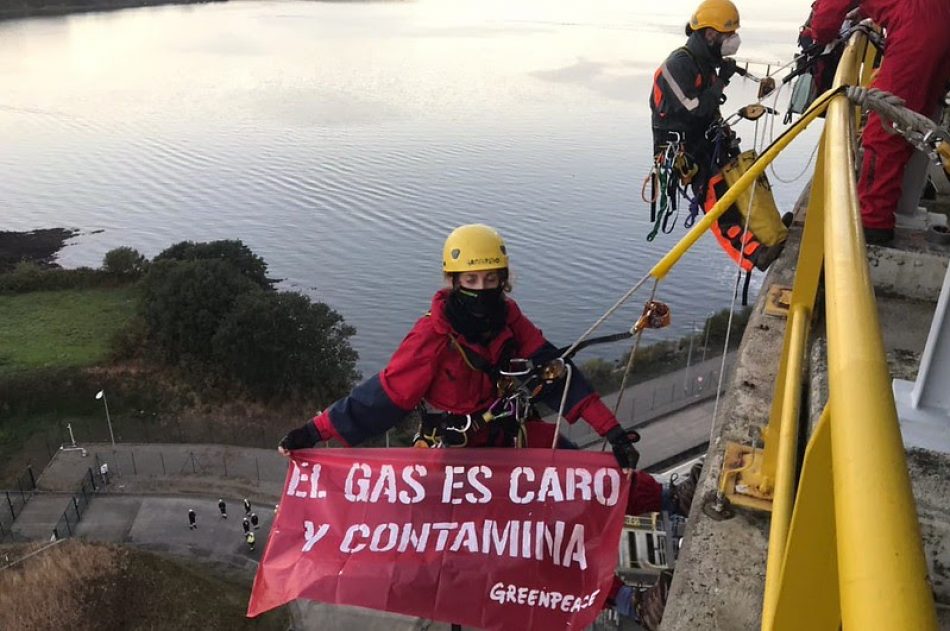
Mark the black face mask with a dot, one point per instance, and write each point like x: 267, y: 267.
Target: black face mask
x: 716, y: 48
x: 478, y: 314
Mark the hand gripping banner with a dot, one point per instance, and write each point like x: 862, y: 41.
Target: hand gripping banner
x: 486, y: 538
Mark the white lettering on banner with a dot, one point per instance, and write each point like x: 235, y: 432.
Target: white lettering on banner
x: 298, y: 477
x: 562, y: 543
x: 347, y: 545
x: 528, y: 474
x: 451, y: 484
x: 360, y: 485
x: 552, y: 488
x: 419, y: 493
x: 485, y: 493
x: 312, y: 535
x: 519, y: 595
x: 599, y: 476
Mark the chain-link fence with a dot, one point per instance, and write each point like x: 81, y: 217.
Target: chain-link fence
x: 176, y: 461
x: 79, y: 501
x: 14, y: 500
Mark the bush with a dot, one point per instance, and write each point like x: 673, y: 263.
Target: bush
x: 28, y: 276
x: 184, y: 303
x: 234, y: 252
x: 125, y: 262
x: 282, y: 344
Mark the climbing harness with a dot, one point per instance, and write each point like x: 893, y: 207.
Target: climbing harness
x: 518, y: 383
x: 672, y: 171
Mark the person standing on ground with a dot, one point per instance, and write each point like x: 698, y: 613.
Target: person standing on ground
x: 254, y: 521
x: 249, y: 538
x: 916, y: 67
x: 223, y: 508
x: 192, y: 519
x: 247, y: 507
x: 247, y: 525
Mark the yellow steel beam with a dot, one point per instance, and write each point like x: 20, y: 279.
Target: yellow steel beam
x: 881, y: 568
x: 804, y: 291
x: 784, y: 492
x: 808, y: 596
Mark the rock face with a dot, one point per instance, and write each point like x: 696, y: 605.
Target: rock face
x: 36, y: 246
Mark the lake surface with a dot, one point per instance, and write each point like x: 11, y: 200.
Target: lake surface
x: 343, y: 141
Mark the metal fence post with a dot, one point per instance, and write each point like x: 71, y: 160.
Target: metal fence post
x: 194, y: 467
x: 257, y: 463
x: 161, y: 456
x: 224, y: 461
x: 10, y: 503
x: 29, y: 469
x: 135, y: 470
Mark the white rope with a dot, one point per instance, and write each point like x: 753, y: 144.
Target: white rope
x: 34, y: 553
x: 606, y: 315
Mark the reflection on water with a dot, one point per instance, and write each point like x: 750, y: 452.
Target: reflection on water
x: 342, y: 141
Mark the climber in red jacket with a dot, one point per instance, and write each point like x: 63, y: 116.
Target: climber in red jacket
x: 916, y: 67
x: 448, y: 367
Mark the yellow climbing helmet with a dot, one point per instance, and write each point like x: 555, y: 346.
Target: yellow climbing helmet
x: 473, y: 248
x: 720, y: 15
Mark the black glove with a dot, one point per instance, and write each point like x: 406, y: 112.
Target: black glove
x: 622, y: 442
x: 727, y: 69
x: 303, y: 437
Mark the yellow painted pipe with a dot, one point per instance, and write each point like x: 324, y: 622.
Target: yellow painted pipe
x: 881, y: 568
x: 784, y: 491
x: 675, y: 253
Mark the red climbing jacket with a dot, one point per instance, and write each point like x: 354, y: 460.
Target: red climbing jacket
x: 429, y: 367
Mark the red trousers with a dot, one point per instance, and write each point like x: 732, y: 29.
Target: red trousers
x: 916, y: 67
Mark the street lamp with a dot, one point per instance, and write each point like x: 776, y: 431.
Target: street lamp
x: 102, y: 395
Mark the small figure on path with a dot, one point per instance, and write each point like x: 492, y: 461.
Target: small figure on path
x: 223, y: 508
x: 192, y: 520
x: 254, y: 521
x: 247, y: 507
x: 247, y: 526
x: 249, y: 538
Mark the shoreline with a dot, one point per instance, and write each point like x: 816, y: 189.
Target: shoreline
x: 53, y: 10
x: 35, y: 246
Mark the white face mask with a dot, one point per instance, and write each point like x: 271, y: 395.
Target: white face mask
x: 730, y: 45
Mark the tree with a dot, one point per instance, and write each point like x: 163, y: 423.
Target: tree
x: 124, y: 261
x: 280, y: 344
x: 184, y: 303
x: 233, y: 252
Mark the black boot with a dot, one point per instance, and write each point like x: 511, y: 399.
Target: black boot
x: 681, y: 495
x: 878, y: 236
x: 650, y: 603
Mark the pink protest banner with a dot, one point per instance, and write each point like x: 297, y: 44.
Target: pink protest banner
x: 487, y: 538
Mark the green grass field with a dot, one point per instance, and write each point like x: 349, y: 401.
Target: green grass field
x: 50, y: 329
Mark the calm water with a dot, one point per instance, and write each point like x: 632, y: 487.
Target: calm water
x: 342, y: 141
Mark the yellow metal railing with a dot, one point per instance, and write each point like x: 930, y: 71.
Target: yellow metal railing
x: 849, y: 554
